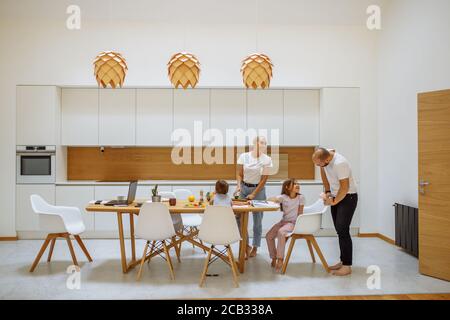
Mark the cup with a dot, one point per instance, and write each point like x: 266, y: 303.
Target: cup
x: 172, y: 202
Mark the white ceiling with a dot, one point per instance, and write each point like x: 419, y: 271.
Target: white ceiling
x: 283, y: 12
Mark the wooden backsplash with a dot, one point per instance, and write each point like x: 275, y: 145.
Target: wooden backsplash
x: 155, y: 163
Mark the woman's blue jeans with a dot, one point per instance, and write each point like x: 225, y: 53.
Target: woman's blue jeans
x: 257, y: 216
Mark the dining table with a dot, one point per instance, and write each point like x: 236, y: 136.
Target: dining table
x: 181, y: 207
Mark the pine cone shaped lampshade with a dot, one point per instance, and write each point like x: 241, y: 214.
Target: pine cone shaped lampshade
x: 257, y: 71
x: 110, y: 69
x: 184, y: 70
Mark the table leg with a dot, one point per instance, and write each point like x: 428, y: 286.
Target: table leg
x: 243, y: 242
x: 123, y: 256
x: 132, y: 238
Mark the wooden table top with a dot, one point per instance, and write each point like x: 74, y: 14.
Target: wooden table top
x: 179, y: 208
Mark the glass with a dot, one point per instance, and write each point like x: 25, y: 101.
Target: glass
x: 35, y: 165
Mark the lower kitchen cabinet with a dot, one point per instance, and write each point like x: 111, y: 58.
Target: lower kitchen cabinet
x: 107, y: 221
x: 77, y: 196
x: 26, y: 218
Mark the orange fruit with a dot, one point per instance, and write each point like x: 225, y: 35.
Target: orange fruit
x: 191, y: 198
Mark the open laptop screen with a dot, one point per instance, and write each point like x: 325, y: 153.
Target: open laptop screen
x: 132, y: 192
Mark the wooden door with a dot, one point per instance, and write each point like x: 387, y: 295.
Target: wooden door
x: 434, y: 184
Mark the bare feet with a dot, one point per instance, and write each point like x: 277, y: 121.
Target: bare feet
x: 279, y: 265
x: 343, y: 271
x: 274, y: 262
x: 253, y: 253
x: 247, y: 252
x: 337, y: 266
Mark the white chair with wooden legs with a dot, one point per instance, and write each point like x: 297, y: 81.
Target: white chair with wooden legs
x: 191, y: 222
x: 219, y: 227
x: 60, y: 222
x: 155, y: 226
x: 307, y: 224
x: 176, y: 220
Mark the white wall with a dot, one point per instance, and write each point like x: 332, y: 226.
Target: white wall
x: 414, y: 57
x: 39, y: 51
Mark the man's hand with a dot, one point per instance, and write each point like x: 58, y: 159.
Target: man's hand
x: 329, y: 202
x: 251, y: 196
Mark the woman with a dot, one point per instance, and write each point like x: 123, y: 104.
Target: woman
x: 251, y: 174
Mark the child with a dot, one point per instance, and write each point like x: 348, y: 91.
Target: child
x: 292, y: 203
x: 221, y: 197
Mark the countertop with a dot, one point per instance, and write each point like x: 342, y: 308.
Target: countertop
x: 168, y: 182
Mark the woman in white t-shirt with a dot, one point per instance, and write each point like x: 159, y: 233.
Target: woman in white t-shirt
x: 251, y: 175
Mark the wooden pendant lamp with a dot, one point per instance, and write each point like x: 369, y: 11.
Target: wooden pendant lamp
x: 110, y: 69
x: 257, y: 71
x: 184, y: 70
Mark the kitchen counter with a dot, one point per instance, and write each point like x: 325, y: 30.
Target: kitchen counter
x: 168, y: 182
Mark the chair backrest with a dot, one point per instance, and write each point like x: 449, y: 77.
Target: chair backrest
x: 182, y: 194
x: 167, y: 194
x: 219, y: 226
x: 318, y: 206
x: 154, y: 222
x: 308, y: 223
x: 40, y: 206
x: 57, y: 219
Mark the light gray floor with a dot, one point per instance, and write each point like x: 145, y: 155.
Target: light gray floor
x: 103, y: 278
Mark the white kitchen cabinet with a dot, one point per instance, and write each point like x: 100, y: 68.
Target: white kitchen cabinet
x: 77, y: 196
x: 342, y: 132
x: 37, y: 121
x: 154, y: 117
x: 79, y: 118
x: 117, y: 122
x: 265, y: 114
x: 195, y: 189
x: 107, y: 221
x: 26, y: 218
x: 228, y: 112
x: 301, y: 117
x: 190, y: 106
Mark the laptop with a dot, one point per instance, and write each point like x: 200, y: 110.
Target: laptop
x: 130, y: 199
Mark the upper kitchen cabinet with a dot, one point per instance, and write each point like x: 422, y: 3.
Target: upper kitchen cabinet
x: 79, y: 119
x: 117, y: 112
x: 228, y: 112
x: 190, y: 106
x: 301, y: 117
x: 338, y: 132
x: 154, y: 122
x: 265, y: 114
x: 37, y: 112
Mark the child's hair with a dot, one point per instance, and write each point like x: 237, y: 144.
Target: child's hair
x: 286, y: 185
x: 221, y: 187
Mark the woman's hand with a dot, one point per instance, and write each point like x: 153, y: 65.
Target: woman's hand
x: 251, y: 196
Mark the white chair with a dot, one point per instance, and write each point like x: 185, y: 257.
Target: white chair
x: 191, y: 222
x: 307, y: 224
x: 60, y: 222
x: 155, y: 225
x: 176, y: 220
x: 219, y: 227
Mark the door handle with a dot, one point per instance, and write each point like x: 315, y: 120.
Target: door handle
x: 422, y: 185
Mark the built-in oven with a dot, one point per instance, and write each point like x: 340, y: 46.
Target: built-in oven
x: 35, y: 164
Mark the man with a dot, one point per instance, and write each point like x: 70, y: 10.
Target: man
x: 341, y: 195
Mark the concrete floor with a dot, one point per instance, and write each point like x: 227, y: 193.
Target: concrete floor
x: 103, y: 278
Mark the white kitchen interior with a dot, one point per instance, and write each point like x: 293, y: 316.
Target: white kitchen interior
x: 54, y: 116
x: 336, y: 84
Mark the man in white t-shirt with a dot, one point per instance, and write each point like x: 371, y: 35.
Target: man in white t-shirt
x: 341, y: 195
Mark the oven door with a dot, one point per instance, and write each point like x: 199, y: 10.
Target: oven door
x: 35, y: 168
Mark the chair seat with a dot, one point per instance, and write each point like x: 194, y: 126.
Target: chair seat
x: 192, y: 220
